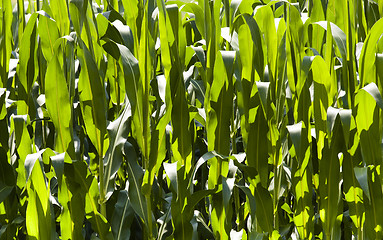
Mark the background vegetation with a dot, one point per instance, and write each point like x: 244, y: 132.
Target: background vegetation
x: 242, y: 119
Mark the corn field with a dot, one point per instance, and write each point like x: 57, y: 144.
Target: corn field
x: 191, y: 119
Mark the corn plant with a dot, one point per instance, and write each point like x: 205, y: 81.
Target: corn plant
x: 191, y: 119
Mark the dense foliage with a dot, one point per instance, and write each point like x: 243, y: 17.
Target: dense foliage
x: 153, y: 119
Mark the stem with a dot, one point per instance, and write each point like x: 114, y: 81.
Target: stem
x: 117, y: 89
x: 233, y: 136
x: 233, y: 129
x: 275, y: 196
x: 102, y: 195
x: 360, y: 233
x: 149, y: 207
x: 149, y: 210
x: 238, y: 210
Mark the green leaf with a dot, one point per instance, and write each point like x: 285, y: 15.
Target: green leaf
x: 48, y: 33
x: 339, y: 36
x: 123, y: 216
x: 251, y: 200
x: 6, y: 40
x: 362, y: 177
x: 29, y: 70
x: 317, y: 14
x: 367, y: 71
x: 367, y: 121
x: 133, y: 19
x: 7, y: 177
x: 38, y: 215
x: 89, y: 190
x: 301, y: 179
x: 265, y: 209
x: 92, y: 99
x: 23, y: 144
x: 196, y: 197
x: 219, y: 107
x: 258, y: 60
x: 198, y: 13
x: 135, y: 177
x: 71, y: 219
x: 256, y: 152
x: 118, y: 134
x: 265, y: 19
x: 59, y: 106
x: 60, y: 14
x: 353, y: 190
x: 329, y: 174
x: 374, y: 220
x: 322, y: 100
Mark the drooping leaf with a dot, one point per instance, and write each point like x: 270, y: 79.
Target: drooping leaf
x: 118, y: 133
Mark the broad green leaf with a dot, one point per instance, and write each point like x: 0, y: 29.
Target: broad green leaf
x: 88, y: 185
x: 6, y: 40
x: 367, y: 101
x: 218, y: 107
x: 48, y: 33
x: 135, y: 177
x: 38, y: 215
x: 317, y: 14
x: 70, y: 218
x: 106, y: 30
x: 64, y: 50
x: 115, y: 77
x: 199, y: 17
x: 322, y: 99
x: 339, y: 36
x: 301, y: 179
x: 256, y: 153
x: 118, y: 133
x: 60, y: 14
x: 141, y: 112
x: 258, y: 60
x: 123, y: 215
x: 329, y: 174
x: 374, y: 220
x: 227, y: 191
x: 219, y: 216
x: 265, y: 19
x: 7, y: 177
x: 159, y: 141
x: 251, y: 200
x: 170, y: 37
x: 77, y: 11
x: 3, y: 113
x: 133, y: 17
x: 92, y: 99
x: 354, y: 193
x: 264, y: 211
x: 23, y: 144
x: 131, y: 73
x: 337, y: 13
x: 181, y: 214
x: 72, y: 197
x: 294, y: 48
x: 367, y: 71
x: 28, y: 71
x: 196, y: 197
x: 59, y: 107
